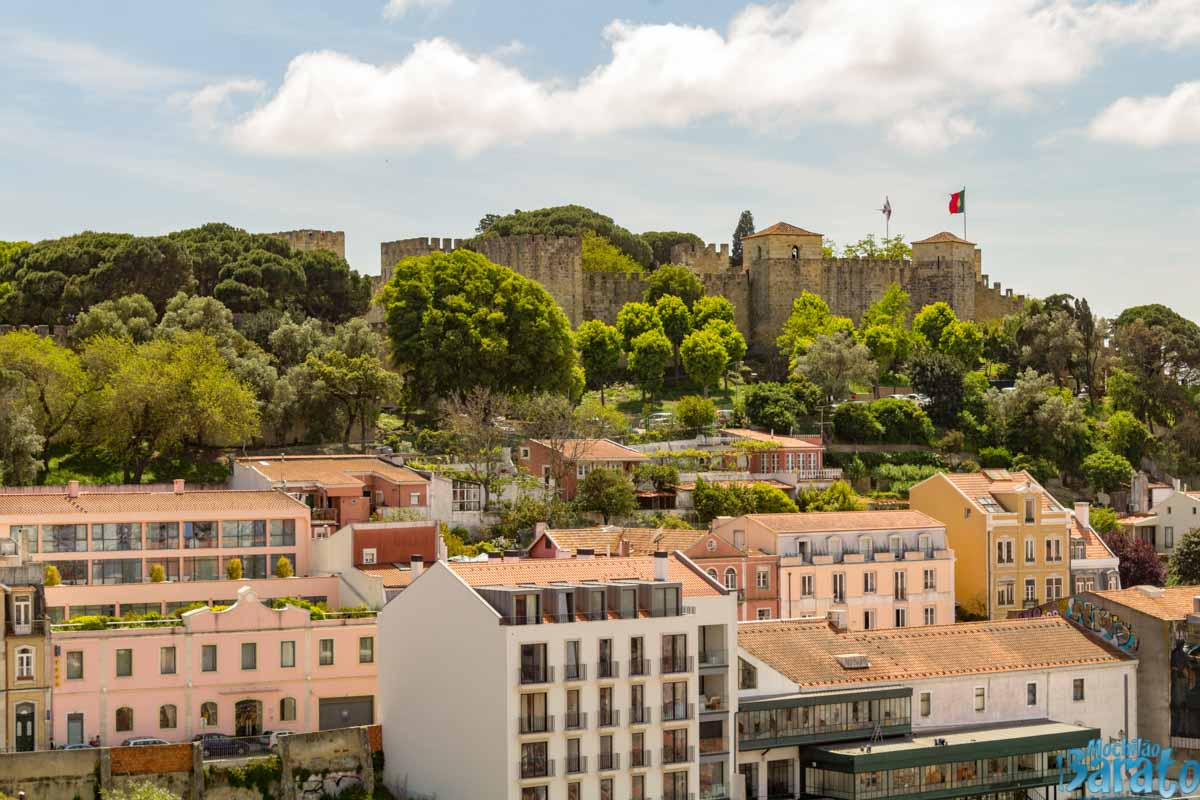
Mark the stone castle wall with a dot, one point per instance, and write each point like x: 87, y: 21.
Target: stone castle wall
x: 994, y: 302
x: 308, y: 240
x: 706, y: 259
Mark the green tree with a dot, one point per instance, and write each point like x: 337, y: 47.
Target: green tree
x: 291, y: 341
x: 745, y: 227
x: 479, y: 442
x: 704, y: 358
x: 856, y: 423
x: 20, y: 441
x: 995, y: 458
x: 1125, y: 435
x: 711, y: 307
x: 733, y: 342
x: 903, y: 421
x: 695, y: 413
x: 456, y: 320
x: 1184, y: 569
x: 51, y: 381
x: 607, y: 491
x: 659, y: 476
x: 810, y: 317
x: 486, y: 222
x: 361, y: 385
x: 773, y: 406
x: 599, y: 347
x: 676, y: 320
x: 835, y: 361
x: 634, y: 319
x: 962, y: 340
x: 838, y: 497
x: 1103, y: 519
x: 661, y: 243
x: 1039, y: 420
x: 233, y: 569
x: 648, y: 361
x: 892, y: 247
x: 888, y: 345
x: 1106, y: 471
x: 931, y: 321
x: 1049, y: 342
x: 1160, y: 351
x: 676, y: 280
x: 571, y: 220
x: 283, y: 568
x: 131, y: 317
x: 940, y: 378
x: 893, y: 309
x: 599, y: 255
x: 771, y: 500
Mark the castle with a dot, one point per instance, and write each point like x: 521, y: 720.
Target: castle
x: 779, y: 263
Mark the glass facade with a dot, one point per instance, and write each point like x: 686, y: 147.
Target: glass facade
x: 117, y: 570
x: 825, y: 718
x: 244, y: 533
x: 64, y: 538
x: 116, y: 536
x: 162, y: 535
x: 283, y: 533
x: 973, y: 777
x: 201, y: 568
x: 199, y: 535
x: 73, y: 573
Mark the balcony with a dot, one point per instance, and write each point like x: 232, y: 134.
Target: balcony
x: 714, y: 745
x: 608, y: 718
x: 639, y: 666
x: 609, y: 761
x: 678, y: 712
x: 575, y: 765
x: 678, y: 755
x: 714, y: 658
x: 324, y: 515
x: 535, y: 768
x: 575, y: 721
x: 535, y: 724
x: 829, y: 474
x: 712, y: 703
x: 536, y: 673
x: 607, y: 669
x: 639, y: 715
x: 671, y: 665
x: 715, y: 791
x: 575, y: 672
x: 639, y: 758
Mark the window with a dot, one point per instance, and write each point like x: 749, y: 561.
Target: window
x: 1004, y: 551
x: 1031, y: 694
x: 124, y: 719
x: 368, y: 555
x: 1030, y: 590
x: 244, y: 533
x: 124, y: 663
x: 1053, y: 589
x: 117, y: 570
x: 839, y: 587
x: 524, y: 452
x: 206, y: 568
x: 199, y: 535
x: 366, y: 650
x: 866, y: 547
x: 868, y: 619
x: 926, y: 703
x: 167, y: 716
x: 900, y: 582
x: 901, y: 617
x: 764, y: 613
x: 1029, y: 510
x: 283, y: 533
x: 868, y: 583
x: 1030, y: 551
x: 414, y: 498
x: 27, y: 535
x: 925, y: 544
x: 326, y: 652
x: 896, y: 544
x: 1004, y: 594
x: 208, y: 658
x: 763, y: 578
x: 74, y: 665
x: 162, y: 535
x: 208, y: 714
x: 166, y: 661
x: 1077, y: 690
x: 712, y: 573
x: 112, y: 536
x: 24, y: 663
x: 170, y: 568
x: 931, y: 580
x: 1053, y: 549
x: 249, y: 655
x: 730, y: 578
x: 747, y: 675
x: 287, y: 654
x: 806, y: 585
x: 980, y: 698
x: 1168, y: 537
x: 287, y: 709
x: 64, y: 538
x: 930, y: 615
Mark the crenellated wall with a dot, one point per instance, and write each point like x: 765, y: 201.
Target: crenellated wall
x: 994, y: 302
x: 706, y: 259
x: 308, y: 239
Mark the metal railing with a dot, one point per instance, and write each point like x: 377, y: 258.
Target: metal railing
x: 535, y: 724
x: 608, y: 669
x: 714, y: 658
x: 575, y: 720
x: 575, y: 672
x: 536, y: 768
x: 714, y: 744
x: 639, y: 666
x: 608, y: 718
x: 639, y: 715
x: 609, y: 761
x: 712, y: 702
x: 674, y: 664
x: 542, y: 673
x: 678, y: 755
x: 575, y: 765
x: 677, y: 712
x: 639, y: 758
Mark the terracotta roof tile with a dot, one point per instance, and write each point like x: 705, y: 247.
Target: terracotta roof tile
x: 990, y: 482
x: 944, y: 236
x: 607, y: 541
x: 330, y: 470
x: 544, y: 571
x: 186, y: 502
x: 598, y: 450
x: 393, y: 576
x: 781, y: 228
x: 821, y: 521
x: 1093, y: 545
x: 1171, y: 603
x: 805, y: 650
x: 790, y: 442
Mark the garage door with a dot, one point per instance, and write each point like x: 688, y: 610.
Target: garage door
x: 344, y: 712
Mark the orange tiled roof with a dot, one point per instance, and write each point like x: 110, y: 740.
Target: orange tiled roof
x: 1093, y: 545
x: 393, y: 576
x: 781, y: 228
x: 160, y: 502
x: 607, y: 540
x: 544, y: 571
x: 944, y: 236
x: 821, y: 521
x: 1173, y: 603
x: 1136, y: 519
x: 805, y: 650
x: 597, y: 450
x: 998, y: 481
x: 770, y: 438
x: 329, y: 470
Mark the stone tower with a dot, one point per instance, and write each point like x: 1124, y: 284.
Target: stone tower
x: 783, y: 261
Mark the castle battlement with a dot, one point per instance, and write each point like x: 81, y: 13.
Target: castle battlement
x: 709, y: 258
x: 309, y: 239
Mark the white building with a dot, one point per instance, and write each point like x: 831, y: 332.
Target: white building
x: 532, y: 679
x: 1030, y: 686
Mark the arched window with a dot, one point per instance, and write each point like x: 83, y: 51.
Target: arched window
x: 208, y: 714
x: 124, y: 718
x: 795, y: 252
x: 24, y: 663
x: 712, y: 573
x: 166, y: 716
x: 866, y: 546
x: 730, y: 578
x: 287, y: 709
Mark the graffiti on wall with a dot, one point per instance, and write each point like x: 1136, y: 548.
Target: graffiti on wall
x: 1101, y: 622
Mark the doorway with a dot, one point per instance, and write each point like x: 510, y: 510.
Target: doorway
x: 248, y: 716
x: 25, y: 739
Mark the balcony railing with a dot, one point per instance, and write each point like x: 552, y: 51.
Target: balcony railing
x: 324, y: 515
x: 609, y: 761
x: 712, y: 702
x: 713, y: 745
x: 608, y: 669
x: 538, y: 673
x: 535, y: 724
x: 677, y: 712
x: 639, y: 666
x: 575, y: 765
x: 536, y: 768
x: 639, y: 715
x: 608, y: 718
x: 714, y: 658
x: 675, y: 664
x: 575, y: 672
x: 639, y: 758
x: 715, y: 791
x: 678, y: 755
x: 575, y: 720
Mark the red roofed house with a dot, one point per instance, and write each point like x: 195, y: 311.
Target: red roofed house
x: 563, y: 463
x: 804, y: 455
x: 752, y: 573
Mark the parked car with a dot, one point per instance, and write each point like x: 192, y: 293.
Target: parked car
x: 660, y: 419
x: 724, y: 415
x: 80, y: 746
x: 219, y: 745
x: 144, y: 741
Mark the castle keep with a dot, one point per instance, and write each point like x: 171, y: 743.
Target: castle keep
x: 780, y: 262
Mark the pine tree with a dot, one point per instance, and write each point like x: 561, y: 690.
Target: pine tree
x: 744, y: 228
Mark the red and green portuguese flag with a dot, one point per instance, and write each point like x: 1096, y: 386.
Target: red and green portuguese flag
x: 958, y: 202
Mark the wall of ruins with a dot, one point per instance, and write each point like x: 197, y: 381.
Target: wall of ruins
x: 308, y: 240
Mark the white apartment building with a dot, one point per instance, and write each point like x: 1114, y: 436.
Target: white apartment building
x: 560, y: 679
x: 873, y: 569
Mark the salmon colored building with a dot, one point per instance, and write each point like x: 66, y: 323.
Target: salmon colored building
x: 609, y: 540
x: 752, y: 573
x: 800, y: 454
x: 563, y: 464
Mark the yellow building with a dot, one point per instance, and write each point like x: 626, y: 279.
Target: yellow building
x: 24, y: 654
x: 1010, y: 535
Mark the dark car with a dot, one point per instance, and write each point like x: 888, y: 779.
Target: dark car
x: 218, y: 745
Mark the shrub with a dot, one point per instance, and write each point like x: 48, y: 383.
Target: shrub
x: 695, y: 413
x: 855, y: 422
x: 233, y: 570
x: 1103, y: 519
x: 157, y: 573
x: 1041, y: 468
x: 995, y: 457
x: 283, y: 568
x: 903, y: 421
x: 51, y: 576
x: 953, y: 442
x: 773, y: 406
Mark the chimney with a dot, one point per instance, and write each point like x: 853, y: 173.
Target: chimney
x: 177, y: 486
x: 661, y: 562
x: 72, y: 488
x: 585, y: 552
x: 539, y: 528
x: 1083, y: 513
x: 417, y: 564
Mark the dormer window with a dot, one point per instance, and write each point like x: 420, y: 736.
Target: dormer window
x: 896, y: 544
x: 866, y: 546
x: 1029, y: 509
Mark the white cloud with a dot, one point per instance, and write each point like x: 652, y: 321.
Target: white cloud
x: 207, y: 106
x: 398, y: 8
x: 511, y: 48
x: 85, y: 65
x: 1152, y: 121
x: 916, y: 68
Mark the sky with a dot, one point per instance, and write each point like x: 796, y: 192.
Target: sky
x: 1073, y: 124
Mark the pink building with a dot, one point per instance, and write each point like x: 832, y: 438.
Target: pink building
x: 240, y: 671
x: 867, y: 569
x: 562, y: 464
x: 106, y: 542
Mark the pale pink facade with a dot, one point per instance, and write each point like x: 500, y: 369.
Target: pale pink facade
x: 240, y: 671
x: 866, y: 569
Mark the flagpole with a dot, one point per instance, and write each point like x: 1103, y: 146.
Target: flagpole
x: 964, y: 196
